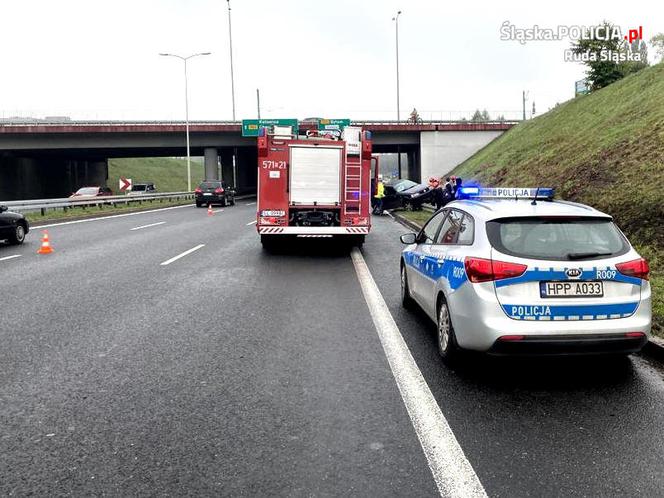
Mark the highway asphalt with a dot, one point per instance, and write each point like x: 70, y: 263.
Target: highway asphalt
x: 125, y: 370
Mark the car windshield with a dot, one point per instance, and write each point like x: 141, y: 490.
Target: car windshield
x: 404, y: 185
x: 210, y: 184
x: 560, y: 239
x: 87, y: 191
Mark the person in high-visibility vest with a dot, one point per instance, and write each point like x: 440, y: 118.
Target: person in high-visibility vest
x: 380, y: 193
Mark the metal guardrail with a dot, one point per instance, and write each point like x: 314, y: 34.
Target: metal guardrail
x: 113, y: 200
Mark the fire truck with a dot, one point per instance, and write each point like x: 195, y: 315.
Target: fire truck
x: 316, y: 185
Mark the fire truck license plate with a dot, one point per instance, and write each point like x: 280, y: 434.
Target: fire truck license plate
x: 572, y: 289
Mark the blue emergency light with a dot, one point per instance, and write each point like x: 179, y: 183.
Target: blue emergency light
x: 469, y: 192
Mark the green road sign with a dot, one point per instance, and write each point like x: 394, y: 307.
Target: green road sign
x: 333, y: 124
x: 250, y: 127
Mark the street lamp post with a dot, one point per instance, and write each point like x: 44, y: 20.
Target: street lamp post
x: 186, y: 108
x: 230, y: 45
x: 396, y: 23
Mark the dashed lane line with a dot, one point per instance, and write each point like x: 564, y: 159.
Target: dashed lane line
x: 113, y: 216
x: 148, y: 226
x: 182, y: 255
x: 251, y: 223
x: 452, y: 472
x: 10, y: 257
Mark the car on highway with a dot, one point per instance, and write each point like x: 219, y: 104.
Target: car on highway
x: 91, y: 192
x: 402, y: 193
x: 513, y: 272
x: 214, y: 192
x: 142, y: 189
x: 13, y: 226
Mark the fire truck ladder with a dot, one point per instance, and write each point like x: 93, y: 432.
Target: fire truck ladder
x: 353, y: 185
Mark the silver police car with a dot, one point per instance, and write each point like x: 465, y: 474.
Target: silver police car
x: 510, y: 271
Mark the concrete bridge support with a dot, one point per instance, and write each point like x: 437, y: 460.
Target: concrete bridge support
x: 442, y: 151
x: 211, y: 160
x: 48, y: 177
x: 244, y: 174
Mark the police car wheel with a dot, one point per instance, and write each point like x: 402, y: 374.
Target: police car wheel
x: 447, y: 345
x: 406, y: 300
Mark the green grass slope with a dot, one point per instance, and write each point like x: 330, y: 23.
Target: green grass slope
x: 605, y: 149
x: 168, y: 174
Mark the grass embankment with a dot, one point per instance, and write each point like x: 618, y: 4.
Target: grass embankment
x: 605, y: 149
x: 417, y: 217
x: 167, y: 173
x: 75, y: 213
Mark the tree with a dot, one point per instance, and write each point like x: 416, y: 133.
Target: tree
x: 628, y: 66
x: 485, y: 116
x: 602, y: 69
x: 477, y: 116
x: 657, y: 43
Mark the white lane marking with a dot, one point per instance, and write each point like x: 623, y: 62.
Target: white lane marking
x: 109, y: 217
x: 389, y: 214
x: 218, y: 211
x: 251, y: 223
x: 148, y: 226
x: 169, y: 261
x: 453, y: 473
x: 10, y: 257
x: 250, y: 203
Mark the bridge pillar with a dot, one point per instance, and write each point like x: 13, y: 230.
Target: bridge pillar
x: 226, y: 156
x: 211, y: 163
x: 48, y: 177
x: 246, y: 169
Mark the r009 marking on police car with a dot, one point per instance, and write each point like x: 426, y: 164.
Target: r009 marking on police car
x: 572, y: 289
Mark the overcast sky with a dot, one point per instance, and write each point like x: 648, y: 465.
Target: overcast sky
x: 98, y: 59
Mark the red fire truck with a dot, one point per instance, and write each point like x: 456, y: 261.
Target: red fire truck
x: 318, y: 185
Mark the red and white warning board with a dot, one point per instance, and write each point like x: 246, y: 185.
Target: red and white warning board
x: 124, y: 184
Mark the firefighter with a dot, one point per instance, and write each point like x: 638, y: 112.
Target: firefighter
x: 380, y: 193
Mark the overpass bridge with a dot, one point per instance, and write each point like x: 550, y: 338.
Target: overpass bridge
x: 51, y: 159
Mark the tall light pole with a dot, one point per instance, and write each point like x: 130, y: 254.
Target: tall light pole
x: 396, y: 23
x: 230, y: 45
x: 186, y: 108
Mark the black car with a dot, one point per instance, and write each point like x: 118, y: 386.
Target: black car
x: 402, y: 193
x: 13, y: 226
x: 214, y: 192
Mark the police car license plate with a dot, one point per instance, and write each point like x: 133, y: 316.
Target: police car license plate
x: 572, y: 289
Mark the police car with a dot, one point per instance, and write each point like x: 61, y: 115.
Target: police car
x: 510, y: 271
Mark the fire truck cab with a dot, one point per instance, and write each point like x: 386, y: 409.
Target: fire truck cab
x: 316, y: 185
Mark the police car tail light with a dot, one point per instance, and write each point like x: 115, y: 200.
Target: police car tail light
x: 487, y: 270
x: 636, y: 268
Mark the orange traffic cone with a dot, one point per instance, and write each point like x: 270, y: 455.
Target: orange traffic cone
x: 210, y: 212
x: 45, y: 245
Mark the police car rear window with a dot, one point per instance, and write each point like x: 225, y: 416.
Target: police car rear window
x: 559, y: 239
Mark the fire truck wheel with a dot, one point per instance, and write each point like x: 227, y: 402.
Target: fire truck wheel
x: 268, y: 242
x: 357, y: 240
